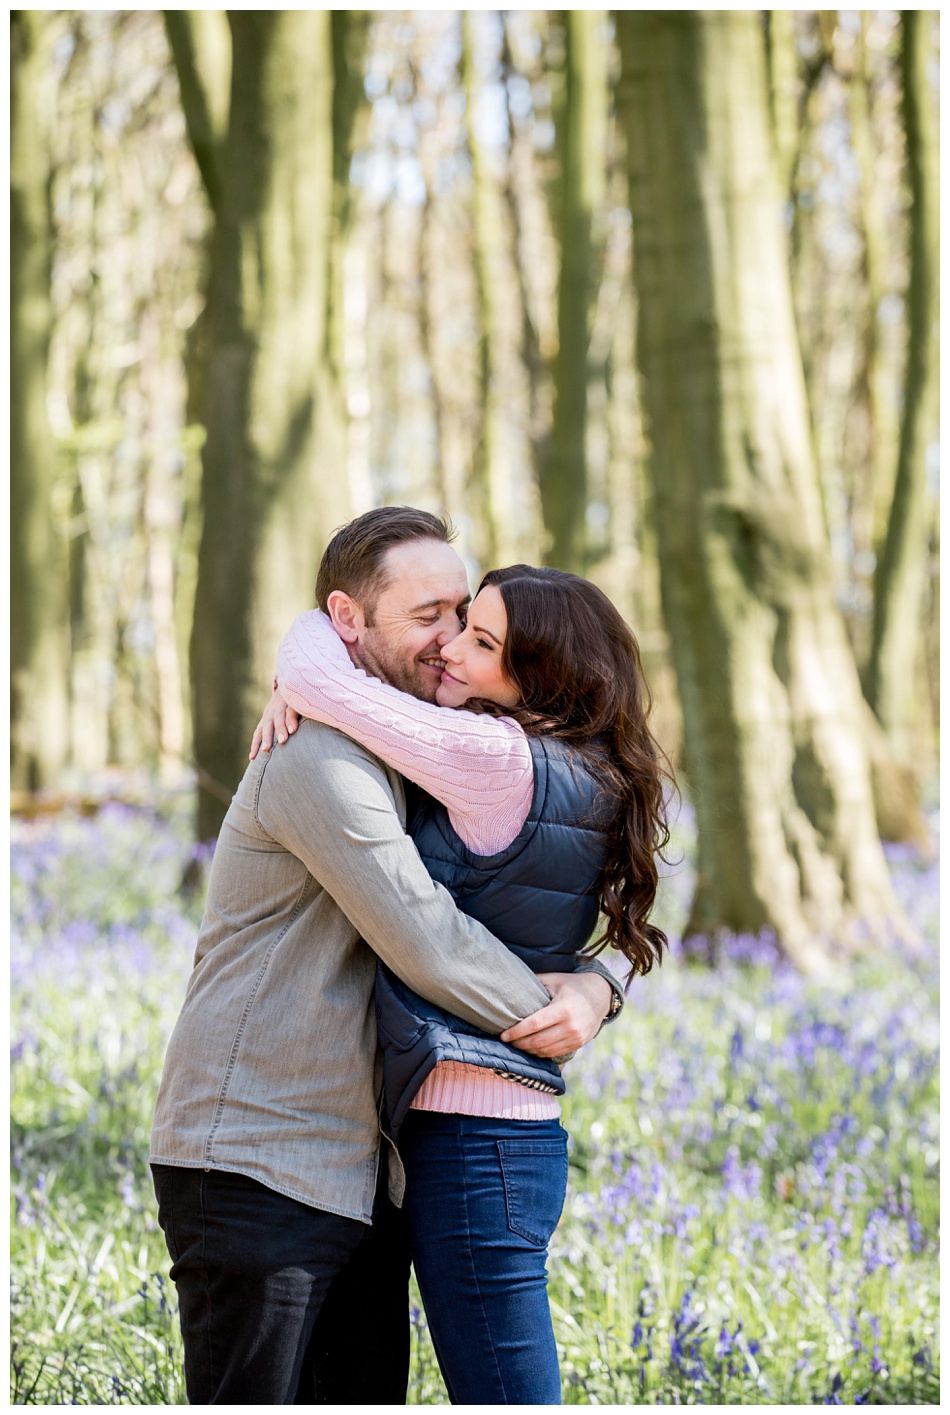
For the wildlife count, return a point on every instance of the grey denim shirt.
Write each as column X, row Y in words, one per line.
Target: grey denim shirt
column 272, row 1068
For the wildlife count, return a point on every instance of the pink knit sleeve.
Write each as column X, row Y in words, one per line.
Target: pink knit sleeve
column 478, row 766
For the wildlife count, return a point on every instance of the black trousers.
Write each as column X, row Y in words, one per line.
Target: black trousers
column 281, row 1303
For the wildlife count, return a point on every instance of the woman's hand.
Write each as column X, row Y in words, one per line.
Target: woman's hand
column 279, row 718
column 579, row 1003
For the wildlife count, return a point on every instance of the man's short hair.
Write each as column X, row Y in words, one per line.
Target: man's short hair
column 353, row 561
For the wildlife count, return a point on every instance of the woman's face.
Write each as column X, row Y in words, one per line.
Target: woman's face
column 473, row 659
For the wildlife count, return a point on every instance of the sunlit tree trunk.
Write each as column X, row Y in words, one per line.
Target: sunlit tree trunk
column 783, row 93
column 520, row 163
column 350, row 35
column 38, row 578
column 883, row 417
column 892, row 679
column 776, row 760
column 564, row 489
column 803, row 237
column 450, row 454
column 161, row 523
column 485, row 478
column 449, row 487
column 200, row 42
column 274, row 476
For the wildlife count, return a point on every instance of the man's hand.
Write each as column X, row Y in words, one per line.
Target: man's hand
column 279, row 719
column 579, row 1003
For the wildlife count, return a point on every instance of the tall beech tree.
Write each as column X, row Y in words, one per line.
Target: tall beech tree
column 776, row 754
column 892, row 679
column 38, row 574
column 579, row 195
column 485, row 485
column 350, row 31
column 274, row 479
column 879, row 387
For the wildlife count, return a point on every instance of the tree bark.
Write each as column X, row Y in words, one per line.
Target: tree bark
column 273, row 480
column 201, row 48
column 784, row 94
column 539, row 396
column 200, row 42
column 488, row 510
column 883, row 417
column 38, row 574
column 564, row 490
column 350, row 34
column 776, row 760
column 892, row 677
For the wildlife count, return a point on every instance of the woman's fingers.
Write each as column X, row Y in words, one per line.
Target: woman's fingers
column 285, row 719
column 263, row 738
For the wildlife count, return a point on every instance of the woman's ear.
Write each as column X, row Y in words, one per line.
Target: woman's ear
column 346, row 615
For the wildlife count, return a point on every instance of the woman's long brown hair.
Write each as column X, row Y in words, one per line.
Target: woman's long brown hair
column 577, row 667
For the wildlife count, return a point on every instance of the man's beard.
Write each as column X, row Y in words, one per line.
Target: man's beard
column 409, row 675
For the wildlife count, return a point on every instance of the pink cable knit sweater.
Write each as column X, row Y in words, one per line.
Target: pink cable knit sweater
column 479, row 767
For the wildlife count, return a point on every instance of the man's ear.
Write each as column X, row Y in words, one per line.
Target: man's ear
column 348, row 619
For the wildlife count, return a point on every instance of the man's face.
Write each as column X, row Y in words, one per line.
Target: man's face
column 414, row 616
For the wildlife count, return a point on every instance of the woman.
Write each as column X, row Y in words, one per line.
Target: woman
column 545, row 807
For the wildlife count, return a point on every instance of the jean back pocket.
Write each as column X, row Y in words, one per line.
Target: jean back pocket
column 535, row 1178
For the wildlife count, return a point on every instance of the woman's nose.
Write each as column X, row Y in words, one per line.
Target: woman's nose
column 446, row 644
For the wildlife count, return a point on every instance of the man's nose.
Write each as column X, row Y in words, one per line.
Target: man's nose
column 450, row 631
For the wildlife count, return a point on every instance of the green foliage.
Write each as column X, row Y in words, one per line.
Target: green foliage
column 752, row 1210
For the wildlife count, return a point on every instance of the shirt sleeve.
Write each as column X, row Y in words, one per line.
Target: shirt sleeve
column 478, row 766
column 330, row 804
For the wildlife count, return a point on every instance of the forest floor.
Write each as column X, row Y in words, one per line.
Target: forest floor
column 752, row 1215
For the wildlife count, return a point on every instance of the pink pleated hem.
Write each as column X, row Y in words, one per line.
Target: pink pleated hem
column 453, row 1088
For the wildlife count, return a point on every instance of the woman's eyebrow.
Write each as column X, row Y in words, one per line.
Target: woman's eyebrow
column 487, row 632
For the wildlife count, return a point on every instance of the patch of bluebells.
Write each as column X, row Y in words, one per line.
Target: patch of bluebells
column 87, row 893
column 752, row 1213
column 753, row 1131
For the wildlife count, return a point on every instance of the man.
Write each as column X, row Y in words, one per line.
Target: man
column 266, row 1142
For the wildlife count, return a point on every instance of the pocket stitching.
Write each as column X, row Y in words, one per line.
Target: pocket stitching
column 509, row 1149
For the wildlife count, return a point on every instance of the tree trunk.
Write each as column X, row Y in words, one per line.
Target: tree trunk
column 161, row 523
column 38, row 575
column 882, row 408
column 892, row 676
column 350, row 35
column 200, row 42
column 201, row 48
column 783, row 94
column 539, row 396
column 273, row 481
column 776, row 759
column 487, row 503
column 564, row 490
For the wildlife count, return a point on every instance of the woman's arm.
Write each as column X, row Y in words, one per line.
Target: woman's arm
column 478, row 766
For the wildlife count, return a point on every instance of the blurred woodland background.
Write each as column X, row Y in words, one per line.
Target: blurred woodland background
column 651, row 296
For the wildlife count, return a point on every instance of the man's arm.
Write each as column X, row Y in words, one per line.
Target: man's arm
column 330, row 803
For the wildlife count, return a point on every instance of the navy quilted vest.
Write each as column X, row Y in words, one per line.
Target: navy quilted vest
column 538, row 896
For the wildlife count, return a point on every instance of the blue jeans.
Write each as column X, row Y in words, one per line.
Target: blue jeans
column 484, row 1197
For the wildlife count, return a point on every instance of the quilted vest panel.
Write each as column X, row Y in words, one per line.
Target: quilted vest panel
column 538, row 896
